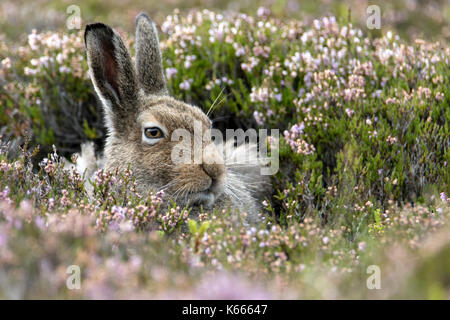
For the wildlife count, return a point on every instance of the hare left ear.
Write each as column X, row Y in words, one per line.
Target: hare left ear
column 149, row 66
column 112, row 74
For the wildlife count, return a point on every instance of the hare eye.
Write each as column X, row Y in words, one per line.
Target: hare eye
column 153, row 133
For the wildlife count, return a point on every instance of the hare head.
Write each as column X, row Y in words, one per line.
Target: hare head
column 141, row 118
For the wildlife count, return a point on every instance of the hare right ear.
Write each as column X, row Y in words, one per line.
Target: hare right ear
column 149, row 64
column 112, row 74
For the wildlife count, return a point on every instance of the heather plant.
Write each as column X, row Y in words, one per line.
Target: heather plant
column 363, row 176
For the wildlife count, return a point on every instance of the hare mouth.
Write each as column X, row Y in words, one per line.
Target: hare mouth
column 206, row 198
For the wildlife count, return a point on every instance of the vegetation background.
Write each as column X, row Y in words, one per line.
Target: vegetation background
column 364, row 153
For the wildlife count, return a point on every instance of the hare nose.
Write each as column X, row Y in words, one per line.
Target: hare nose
column 214, row 170
column 213, row 163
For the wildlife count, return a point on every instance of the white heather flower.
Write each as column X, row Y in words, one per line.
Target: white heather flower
column 252, row 62
column 186, row 84
column 317, row 24
column 64, row 69
column 259, row 95
column 53, row 42
column 189, row 60
column 240, row 51
column 389, row 35
column 6, row 63
column 60, row 58
column 33, row 40
column 30, row 71
column 44, row 61
column 259, row 118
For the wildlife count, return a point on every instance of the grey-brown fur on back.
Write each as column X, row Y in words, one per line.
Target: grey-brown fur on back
column 135, row 97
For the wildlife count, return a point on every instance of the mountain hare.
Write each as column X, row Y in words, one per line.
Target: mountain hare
column 141, row 118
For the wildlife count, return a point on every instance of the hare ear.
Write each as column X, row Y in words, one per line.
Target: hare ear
column 111, row 73
column 149, row 65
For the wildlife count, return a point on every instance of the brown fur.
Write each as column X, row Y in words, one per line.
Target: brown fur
column 135, row 96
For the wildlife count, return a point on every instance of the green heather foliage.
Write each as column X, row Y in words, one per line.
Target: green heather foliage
column 363, row 180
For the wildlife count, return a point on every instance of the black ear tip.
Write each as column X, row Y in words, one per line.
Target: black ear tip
column 96, row 27
column 143, row 15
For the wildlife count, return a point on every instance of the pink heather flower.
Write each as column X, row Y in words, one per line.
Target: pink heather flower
column 170, row 72
column 4, row 166
column 228, row 286
column 118, row 213
column 439, row 96
column 297, row 144
column 262, row 12
column 349, row 112
column 298, row 128
column 361, row 246
column 4, row 194
column 443, row 197
column 240, row 51
column 278, row 97
column 64, row 69
column 260, row 51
